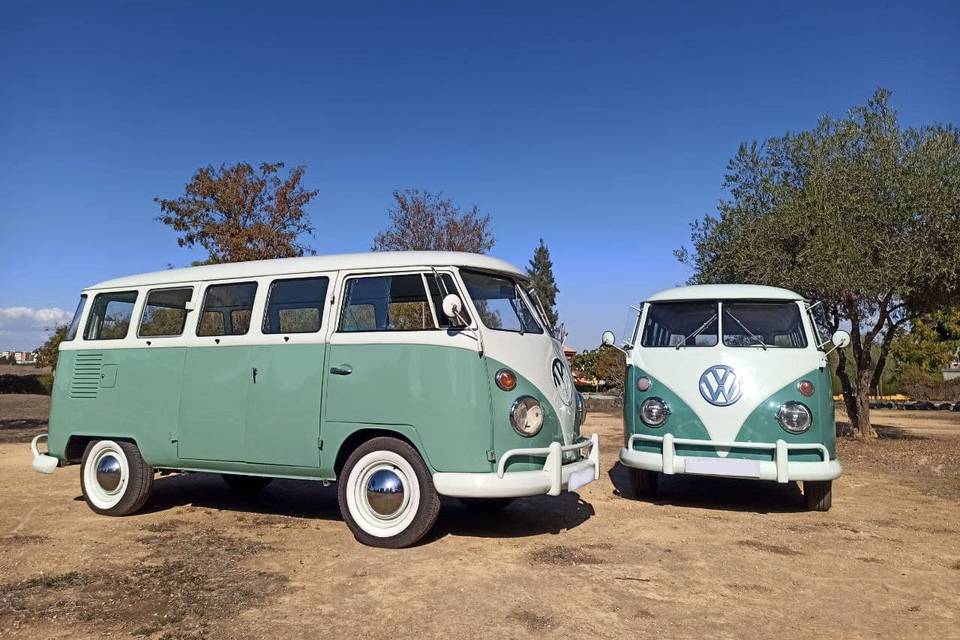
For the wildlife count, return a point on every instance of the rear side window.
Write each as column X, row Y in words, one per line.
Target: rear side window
column 227, row 309
column 110, row 316
column 165, row 312
column 295, row 305
column 688, row 324
column 75, row 323
column 763, row 324
column 386, row 303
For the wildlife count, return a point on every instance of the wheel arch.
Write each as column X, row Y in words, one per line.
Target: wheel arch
column 357, row 437
column 77, row 444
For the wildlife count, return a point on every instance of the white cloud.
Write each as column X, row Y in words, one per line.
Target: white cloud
column 17, row 319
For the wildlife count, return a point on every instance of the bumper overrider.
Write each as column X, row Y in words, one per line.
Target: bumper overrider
column 554, row 478
column 780, row 469
column 42, row 462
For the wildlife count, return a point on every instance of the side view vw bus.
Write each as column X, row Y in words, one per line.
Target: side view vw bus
column 729, row 380
column 401, row 376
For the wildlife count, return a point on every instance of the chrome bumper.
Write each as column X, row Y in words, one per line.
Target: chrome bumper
column 780, row 469
column 554, row 478
column 41, row 461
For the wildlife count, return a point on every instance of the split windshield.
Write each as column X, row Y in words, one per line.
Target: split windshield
column 499, row 302
column 744, row 324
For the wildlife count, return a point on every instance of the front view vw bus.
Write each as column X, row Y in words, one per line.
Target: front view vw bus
column 733, row 381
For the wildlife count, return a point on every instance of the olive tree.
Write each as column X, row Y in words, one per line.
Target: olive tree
column 860, row 213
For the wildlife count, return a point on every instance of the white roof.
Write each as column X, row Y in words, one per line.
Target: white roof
column 725, row 292
column 308, row 264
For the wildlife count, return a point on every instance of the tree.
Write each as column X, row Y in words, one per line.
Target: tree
column 859, row 213
column 540, row 271
column 602, row 363
column 426, row 221
column 238, row 213
column 931, row 343
column 49, row 353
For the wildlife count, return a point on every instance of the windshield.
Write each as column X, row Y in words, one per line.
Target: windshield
column 681, row 324
column 499, row 303
column 763, row 324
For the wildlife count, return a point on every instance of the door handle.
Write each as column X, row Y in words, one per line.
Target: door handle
column 342, row 370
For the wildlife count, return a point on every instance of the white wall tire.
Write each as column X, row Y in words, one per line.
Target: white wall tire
column 114, row 478
column 386, row 494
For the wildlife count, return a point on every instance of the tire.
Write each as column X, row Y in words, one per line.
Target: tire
column 124, row 482
column 381, row 519
column 818, row 495
column 246, row 484
column 644, row 483
column 486, row 504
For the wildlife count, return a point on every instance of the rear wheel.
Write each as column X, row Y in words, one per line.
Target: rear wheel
column 486, row 504
column 386, row 494
column 644, row 483
column 114, row 478
column 246, row 484
column 818, row 495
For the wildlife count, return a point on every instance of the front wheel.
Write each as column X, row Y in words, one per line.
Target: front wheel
column 386, row 494
column 818, row 494
column 644, row 483
column 114, row 478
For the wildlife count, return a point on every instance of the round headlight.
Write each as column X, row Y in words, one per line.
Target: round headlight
column 654, row 412
column 794, row 417
column 526, row 416
column 581, row 410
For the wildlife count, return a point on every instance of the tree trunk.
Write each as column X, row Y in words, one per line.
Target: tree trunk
column 863, row 429
column 849, row 393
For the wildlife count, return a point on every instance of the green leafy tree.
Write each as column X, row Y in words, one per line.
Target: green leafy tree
column 239, row 213
column 426, row 221
column 49, row 352
column 858, row 212
column 931, row 342
column 540, row 271
column 604, row 364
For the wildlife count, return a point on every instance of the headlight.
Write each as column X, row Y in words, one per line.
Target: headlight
column 794, row 417
column 654, row 412
column 526, row 416
column 581, row 410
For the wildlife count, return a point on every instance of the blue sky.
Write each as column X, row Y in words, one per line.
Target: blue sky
column 602, row 127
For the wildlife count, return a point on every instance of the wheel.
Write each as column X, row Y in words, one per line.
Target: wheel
column 386, row 494
column 246, row 484
column 644, row 483
column 114, row 478
column 486, row 504
column 818, row 495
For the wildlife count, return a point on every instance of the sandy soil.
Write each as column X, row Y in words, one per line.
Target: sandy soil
column 711, row 558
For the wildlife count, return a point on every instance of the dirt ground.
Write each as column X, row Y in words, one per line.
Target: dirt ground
column 710, row 558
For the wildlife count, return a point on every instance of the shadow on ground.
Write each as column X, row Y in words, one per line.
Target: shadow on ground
column 21, row 429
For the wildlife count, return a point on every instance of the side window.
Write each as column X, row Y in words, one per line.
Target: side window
column 440, row 291
column 165, row 312
column 110, row 316
column 386, row 303
column 226, row 309
column 75, row 323
column 295, row 305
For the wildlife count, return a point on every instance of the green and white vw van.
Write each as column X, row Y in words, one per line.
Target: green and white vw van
column 729, row 380
column 402, row 376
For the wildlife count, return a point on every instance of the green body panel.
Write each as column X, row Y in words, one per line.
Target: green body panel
column 440, row 392
column 760, row 426
column 283, row 406
column 213, row 405
column 140, row 402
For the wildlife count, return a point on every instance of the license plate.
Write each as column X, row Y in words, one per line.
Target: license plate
column 580, row 478
column 723, row 467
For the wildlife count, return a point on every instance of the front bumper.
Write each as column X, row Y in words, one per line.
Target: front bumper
column 780, row 469
column 42, row 462
column 551, row 480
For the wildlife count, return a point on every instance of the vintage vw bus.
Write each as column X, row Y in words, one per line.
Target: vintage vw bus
column 402, row 376
column 729, row 380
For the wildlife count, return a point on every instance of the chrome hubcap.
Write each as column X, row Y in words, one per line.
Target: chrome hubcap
column 385, row 492
column 108, row 473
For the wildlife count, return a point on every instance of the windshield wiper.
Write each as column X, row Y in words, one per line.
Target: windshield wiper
column 751, row 333
column 699, row 330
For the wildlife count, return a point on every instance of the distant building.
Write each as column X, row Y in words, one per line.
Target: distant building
column 952, row 372
column 20, row 357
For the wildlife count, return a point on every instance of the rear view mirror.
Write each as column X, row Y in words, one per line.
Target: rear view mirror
column 840, row 339
column 453, row 307
column 608, row 339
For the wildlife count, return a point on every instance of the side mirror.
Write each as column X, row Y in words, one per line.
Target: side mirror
column 608, row 339
column 840, row 339
column 453, row 307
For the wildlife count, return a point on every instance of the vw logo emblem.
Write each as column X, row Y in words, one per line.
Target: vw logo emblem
column 720, row 386
column 561, row 380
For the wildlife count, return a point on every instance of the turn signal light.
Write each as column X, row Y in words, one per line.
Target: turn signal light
column 506, row 379
column 805, row 387
column 644, row 384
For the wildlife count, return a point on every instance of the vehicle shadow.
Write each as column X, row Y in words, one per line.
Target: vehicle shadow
column 721, row 494
column 309, row 500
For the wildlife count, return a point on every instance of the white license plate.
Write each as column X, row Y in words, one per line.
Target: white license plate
column 723, row 467
column 579, row 478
